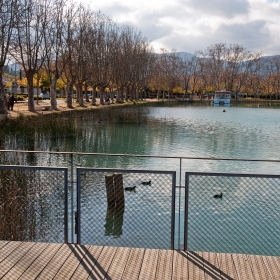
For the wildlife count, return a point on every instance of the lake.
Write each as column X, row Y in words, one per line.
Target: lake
column 183, row 130
column 188, row 131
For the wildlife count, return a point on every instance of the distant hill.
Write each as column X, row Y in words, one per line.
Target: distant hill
column 184, row 55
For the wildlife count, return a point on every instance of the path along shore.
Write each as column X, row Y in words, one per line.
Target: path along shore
column 21, row 107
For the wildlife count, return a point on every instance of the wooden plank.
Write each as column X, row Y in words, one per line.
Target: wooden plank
column 227, row 268
column 243, row 267
column 25, row 261
column 117, row 266
column 103, row 263
column 8, row 249
column 258, row 267
column 38, row 265
column 88, row 262
column 180, row 265
column 165, row 265
column 3, row 243
column 72, row 262
column 134, row 263
column 149, row 264
column 211, row 266
column 272, row 266
column 195, row 265
column 11, row 261
column 51, row 269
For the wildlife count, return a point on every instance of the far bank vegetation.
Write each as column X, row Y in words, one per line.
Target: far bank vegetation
column 62, row 45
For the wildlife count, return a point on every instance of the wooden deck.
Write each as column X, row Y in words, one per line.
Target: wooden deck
column 22, row 260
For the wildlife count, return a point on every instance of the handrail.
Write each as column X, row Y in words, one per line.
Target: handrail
column 147, row 156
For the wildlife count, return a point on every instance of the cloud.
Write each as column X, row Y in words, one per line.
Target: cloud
column 253, row 35
column 224, row 8
column 190, row 25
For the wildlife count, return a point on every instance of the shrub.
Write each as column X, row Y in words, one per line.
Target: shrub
column 20, row 98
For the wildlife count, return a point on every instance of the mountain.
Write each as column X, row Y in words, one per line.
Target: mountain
column 184, row 55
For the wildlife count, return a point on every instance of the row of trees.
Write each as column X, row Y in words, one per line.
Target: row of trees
column 233, row 68
column 72, row 43
column 87, row 50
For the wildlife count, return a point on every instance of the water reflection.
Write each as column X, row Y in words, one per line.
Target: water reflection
column 114, row 221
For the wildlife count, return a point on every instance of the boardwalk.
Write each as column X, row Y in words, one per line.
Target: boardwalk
column 22, row 260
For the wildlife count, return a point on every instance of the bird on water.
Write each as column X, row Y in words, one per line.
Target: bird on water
column 218, row 195
column 146, row 182
column 130, row 188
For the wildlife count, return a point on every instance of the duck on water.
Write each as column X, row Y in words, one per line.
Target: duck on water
column 218, row 195
column 130, row 188
column 146, row 182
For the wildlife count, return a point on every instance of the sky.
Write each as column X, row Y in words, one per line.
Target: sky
column 193, row 25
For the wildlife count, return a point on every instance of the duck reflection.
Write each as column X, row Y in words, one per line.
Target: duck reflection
column 114, row 220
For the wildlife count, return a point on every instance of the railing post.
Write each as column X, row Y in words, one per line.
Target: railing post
column 78, row 220
column 180, row 181
column 66, row 206
column 173, row 211
column 179, row 204
column 72, row 197
column 186, row 212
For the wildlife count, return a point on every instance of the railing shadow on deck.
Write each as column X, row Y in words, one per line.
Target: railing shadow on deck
column 88, row 262
column 200, row 263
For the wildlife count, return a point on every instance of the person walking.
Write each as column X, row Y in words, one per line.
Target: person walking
column 12, row 102
column 8, row 98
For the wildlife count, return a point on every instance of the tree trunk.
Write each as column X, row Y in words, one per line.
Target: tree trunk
column 53, row 94
column 80, row 94
column 112, row 95
column 29, row 77
column 102, row 95
column 69, row 94
column 93, row 102
column 126, row 93
column 86, row 92
column 122, row 94
column 3, row 107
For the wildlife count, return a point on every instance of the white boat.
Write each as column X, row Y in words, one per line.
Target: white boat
column 222, row 97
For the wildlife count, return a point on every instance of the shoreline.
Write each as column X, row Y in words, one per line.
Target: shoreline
column 43, row 108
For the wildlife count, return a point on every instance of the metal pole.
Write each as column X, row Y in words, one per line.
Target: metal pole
column 179, row 204
column 173, row 210
column 78, row 225
column 186, row 212
column 72, row 197
column 66, row 206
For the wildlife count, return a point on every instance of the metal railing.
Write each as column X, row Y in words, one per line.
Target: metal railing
column 188, row 193
column 33, row 203
column 128, row 208
column 232, row 213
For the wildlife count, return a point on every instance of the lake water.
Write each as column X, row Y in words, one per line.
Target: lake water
column 197, row 131
column 188, row 131
column 184, row 130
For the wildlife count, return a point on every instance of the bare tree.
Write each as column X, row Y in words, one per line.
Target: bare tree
column 55, row 41
column 30, row 49
column 68, row 53
column 238, row 67
column 8, row 8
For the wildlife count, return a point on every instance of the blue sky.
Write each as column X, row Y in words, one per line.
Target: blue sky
column 191, row 25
